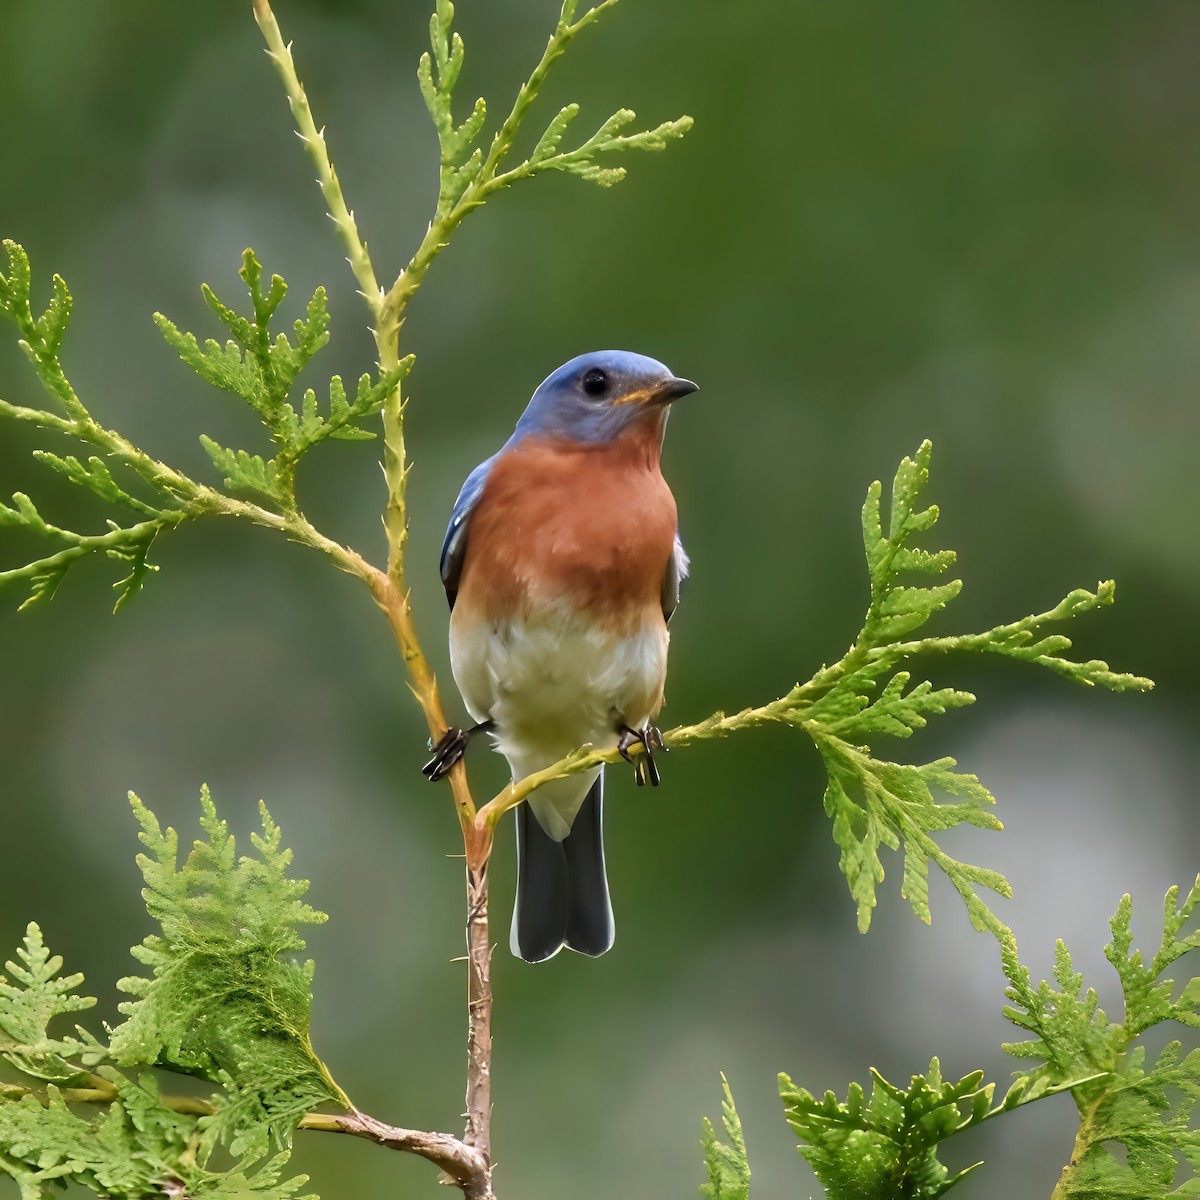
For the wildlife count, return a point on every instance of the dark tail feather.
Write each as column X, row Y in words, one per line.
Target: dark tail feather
column 590, row 928
column 539, row 925
column 562, row 890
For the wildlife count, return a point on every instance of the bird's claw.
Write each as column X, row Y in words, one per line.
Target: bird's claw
column 644, row 767
column 450, row 748
column 446, row 752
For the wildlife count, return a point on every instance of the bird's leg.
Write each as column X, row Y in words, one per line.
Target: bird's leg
column 451, row 747
column 644, row 767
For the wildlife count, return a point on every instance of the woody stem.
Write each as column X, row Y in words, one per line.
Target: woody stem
column 478, row 844
column 479, row 1014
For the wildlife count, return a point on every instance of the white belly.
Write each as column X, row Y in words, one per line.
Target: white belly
column 553, row 682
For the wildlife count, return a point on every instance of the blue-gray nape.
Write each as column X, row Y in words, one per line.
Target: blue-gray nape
column 582, row 400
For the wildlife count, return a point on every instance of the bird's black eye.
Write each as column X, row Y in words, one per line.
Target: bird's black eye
column 595, row 382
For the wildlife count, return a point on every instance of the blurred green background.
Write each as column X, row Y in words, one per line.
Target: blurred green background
column 975, row 223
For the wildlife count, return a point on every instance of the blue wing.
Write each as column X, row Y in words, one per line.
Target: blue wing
column 677, row 570
column 454, row 548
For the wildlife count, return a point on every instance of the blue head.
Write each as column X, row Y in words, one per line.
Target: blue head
column 597, row 397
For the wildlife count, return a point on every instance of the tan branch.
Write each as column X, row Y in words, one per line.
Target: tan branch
column 479, row 1009
column 464, row 1165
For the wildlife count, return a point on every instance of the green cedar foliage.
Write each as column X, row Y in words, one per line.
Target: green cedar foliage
column 727, row 1164
column 1149, row 1108
column 886, row 1146
column 468, row 174
column 41, row 338
column 263, row 370
column 260, row 368
column 36, row 995
column 223, row 1000
column 869, row 694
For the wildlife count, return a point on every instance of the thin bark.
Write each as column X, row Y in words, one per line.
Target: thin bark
column 464, row 1165
column 479, row 1011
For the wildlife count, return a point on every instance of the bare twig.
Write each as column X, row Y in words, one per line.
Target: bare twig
column 479, row 1009
column 464, row 1165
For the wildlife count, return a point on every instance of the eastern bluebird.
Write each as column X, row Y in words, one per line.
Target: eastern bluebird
column 562, row 566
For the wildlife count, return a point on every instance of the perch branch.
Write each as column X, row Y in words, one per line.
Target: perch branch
column 464, row 1165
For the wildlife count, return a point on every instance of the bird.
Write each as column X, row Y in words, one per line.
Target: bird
column 562, row 565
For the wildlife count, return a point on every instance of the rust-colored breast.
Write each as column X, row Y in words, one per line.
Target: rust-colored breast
column 590, row 524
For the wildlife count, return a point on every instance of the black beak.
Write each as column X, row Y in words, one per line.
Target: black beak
column 674, row 389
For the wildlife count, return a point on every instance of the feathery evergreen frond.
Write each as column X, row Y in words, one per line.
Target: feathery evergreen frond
column 36, row 995
column 41, row 336
column 225, row 999
column 42, row 339
column 880, row 805
column 110, row 1132
column 263, row 370
column 468, row 174
column 242, row 471
column 437, row 75
column 726, row 1162
column 49, row 1143
column 876, row 804
column 131, row 1148
column 886, row 1146
column 129, row 543
column 1150, row 1111
column 606, row 140
column 97, row 478
column 307, row 427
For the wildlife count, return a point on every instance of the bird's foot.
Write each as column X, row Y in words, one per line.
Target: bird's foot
column 450, row 749
column 644, row 767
